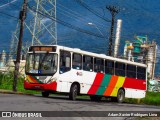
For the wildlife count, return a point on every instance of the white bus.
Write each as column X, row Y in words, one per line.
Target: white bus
column 70, row 70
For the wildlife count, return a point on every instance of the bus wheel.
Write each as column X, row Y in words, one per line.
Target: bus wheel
column 73, row 92
column 95, row 98
column 45, row 94
column 120, row 95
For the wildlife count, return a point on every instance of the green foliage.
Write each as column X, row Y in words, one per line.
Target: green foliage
column 152, row 98
column 6, row 82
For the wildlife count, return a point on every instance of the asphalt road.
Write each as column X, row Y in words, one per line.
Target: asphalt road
column 14, row 102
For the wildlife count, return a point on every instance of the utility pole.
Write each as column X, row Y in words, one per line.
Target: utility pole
column 114, row 11
column 22, row 17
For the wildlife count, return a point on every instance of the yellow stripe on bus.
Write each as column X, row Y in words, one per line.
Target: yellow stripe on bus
column 29, row 79
column 117, row 86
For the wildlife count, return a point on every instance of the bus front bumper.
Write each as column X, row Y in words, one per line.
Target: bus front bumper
column 42, row 87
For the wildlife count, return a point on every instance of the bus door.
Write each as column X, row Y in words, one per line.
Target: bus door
column 64, row 71
column 77, row 72
column 88, row 74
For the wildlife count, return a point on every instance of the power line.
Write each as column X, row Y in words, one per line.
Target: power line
column 67, row 24
column 77, row 14
column 10, row 4
column 9, row 15
column 79, row 18
column 82, row 3
column 6, row 4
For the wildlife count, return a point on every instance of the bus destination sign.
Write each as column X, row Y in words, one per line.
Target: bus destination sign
column 43, row 48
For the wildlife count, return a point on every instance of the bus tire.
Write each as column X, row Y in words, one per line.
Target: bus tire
column 45, row 94
column 95, row 98
column 120, row 96
column 73, row 92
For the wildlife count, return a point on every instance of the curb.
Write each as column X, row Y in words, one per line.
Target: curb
column 12, row 92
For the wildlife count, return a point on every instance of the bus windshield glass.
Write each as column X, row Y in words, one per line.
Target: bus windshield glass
column 41, row 63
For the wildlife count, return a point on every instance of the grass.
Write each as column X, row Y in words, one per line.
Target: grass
column 152, row 98
column 6, row 82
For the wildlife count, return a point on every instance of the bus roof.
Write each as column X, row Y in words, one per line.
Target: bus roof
column 77, row 50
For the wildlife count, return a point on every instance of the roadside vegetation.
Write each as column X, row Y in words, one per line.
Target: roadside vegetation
column 152, row 98
column 6, row 82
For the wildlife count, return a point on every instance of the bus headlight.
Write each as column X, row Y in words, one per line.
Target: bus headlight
column 52, row 80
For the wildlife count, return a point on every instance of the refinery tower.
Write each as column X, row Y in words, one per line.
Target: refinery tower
column 143, row 51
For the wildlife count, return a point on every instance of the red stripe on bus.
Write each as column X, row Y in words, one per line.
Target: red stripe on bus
column 97, row 81
column 111, row 85
column 135, row 83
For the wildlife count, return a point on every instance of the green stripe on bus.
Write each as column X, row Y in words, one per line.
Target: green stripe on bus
column 104, row 84
column 36, row 79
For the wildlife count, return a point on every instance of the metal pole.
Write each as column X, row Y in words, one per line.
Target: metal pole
column 92, row 24
column 55, row 21
column 35, row 23
column 22, row 17
column 113, row 10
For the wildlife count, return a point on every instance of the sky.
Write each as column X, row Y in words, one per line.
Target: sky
column 139, row 17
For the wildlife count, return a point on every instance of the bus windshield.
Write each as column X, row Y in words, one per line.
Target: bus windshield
column 41, row 63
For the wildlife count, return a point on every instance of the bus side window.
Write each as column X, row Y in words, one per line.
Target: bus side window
column 141, row 73
column 98, row 65
column 131, row 71
column 109, row 67
column 87, row 63
column 77, row 61
column 65, row 61
column 120, row 69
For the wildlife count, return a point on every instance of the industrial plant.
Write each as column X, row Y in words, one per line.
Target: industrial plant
column 143, row 51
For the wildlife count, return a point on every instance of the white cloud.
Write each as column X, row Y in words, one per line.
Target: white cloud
column 45, row 20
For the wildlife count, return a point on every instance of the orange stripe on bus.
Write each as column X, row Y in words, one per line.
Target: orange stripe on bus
column 111, row 86
column 32, row 79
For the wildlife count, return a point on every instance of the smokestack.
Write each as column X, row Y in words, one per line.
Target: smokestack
column 118, row 31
